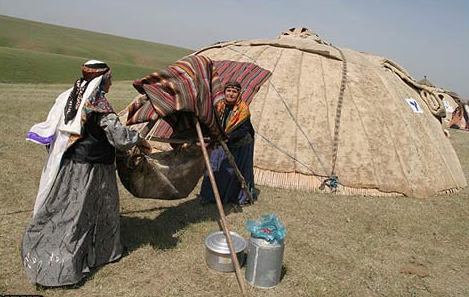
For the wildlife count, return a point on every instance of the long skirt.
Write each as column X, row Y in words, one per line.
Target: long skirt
column 227, row 182
column 77, row 228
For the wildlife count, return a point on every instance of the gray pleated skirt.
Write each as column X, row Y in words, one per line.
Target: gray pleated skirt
column 77, row 228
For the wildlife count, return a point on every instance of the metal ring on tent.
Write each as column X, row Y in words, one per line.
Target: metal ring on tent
column 331, row 182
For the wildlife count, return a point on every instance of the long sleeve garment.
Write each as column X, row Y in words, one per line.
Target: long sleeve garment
column 78, row 226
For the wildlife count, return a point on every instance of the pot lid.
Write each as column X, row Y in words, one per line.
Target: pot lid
column 217, row 242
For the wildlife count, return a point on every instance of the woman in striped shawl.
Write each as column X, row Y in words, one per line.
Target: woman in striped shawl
column 75, row 224
column 234, row 117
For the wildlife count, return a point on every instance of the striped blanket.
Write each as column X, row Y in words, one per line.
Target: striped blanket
column 191, row 85
column 250, row 76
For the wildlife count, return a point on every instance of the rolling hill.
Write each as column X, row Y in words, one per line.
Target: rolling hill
column 43, row 53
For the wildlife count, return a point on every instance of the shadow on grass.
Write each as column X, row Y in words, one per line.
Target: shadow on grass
column 162, row 231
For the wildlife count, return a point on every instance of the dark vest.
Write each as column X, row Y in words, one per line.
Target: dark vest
column 93, row 146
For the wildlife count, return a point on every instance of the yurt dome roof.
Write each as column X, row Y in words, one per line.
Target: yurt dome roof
column 328, row 111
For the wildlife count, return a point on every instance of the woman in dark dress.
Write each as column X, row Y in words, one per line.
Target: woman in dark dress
column 234, row 117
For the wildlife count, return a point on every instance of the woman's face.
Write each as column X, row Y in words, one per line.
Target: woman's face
column 108, row 84
column 231, row 94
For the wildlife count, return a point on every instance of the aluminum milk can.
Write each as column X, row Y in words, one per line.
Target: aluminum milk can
column 264, row 262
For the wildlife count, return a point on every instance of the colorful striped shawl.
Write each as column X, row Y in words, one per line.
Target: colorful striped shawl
column 238, row 115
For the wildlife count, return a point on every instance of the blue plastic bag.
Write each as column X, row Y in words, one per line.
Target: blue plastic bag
column 268, row 227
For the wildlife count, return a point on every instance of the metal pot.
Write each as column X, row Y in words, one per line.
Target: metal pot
column 217, row 252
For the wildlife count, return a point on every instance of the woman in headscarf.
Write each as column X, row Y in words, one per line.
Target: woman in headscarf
column 234, row 117
column 75, row 224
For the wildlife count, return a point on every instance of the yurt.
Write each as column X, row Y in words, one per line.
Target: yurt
column 335, row 119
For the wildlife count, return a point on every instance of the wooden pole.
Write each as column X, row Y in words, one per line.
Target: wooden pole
column 238, row 173
column 147, row 128
column 221, row 211
column 175, row 140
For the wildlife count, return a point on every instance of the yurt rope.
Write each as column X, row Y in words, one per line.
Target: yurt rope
column 290, row 113
column 427, row 94
column 332, row 180
column 289, row 155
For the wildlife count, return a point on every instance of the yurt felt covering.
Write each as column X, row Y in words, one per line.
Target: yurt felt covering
column 382, row 136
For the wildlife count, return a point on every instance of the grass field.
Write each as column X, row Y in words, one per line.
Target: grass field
column 336, row 245
column 43, row 53
column 32, row 67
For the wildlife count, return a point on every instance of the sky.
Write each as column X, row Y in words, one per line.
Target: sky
column 426, row 37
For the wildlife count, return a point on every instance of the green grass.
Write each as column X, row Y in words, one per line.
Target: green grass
column 37, row 52
column 335, row 245
column 27, row 66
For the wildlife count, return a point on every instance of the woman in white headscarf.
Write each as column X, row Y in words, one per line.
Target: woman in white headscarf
column 75, row 224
